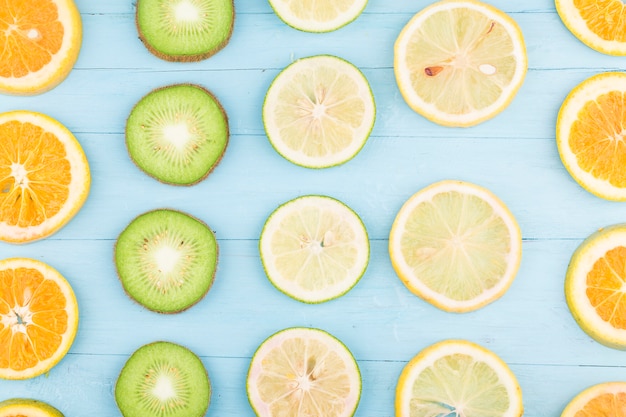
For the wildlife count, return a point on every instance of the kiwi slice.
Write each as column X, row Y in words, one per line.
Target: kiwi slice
column 163, row 379
column 166, row 260
column 185, row 30
column 177, row 134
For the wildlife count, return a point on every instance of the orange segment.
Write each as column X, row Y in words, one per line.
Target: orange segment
column 605, row 282
column 607, row 400
column 40, row 45
column 44, row 176
column 38, row 318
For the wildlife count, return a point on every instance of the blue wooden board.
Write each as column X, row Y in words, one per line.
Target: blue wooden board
column 383, row 324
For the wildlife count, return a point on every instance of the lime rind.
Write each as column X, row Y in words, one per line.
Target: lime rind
column 282, row 9
column 310, row 245
column 291, row 77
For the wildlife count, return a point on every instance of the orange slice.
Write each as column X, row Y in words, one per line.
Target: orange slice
column 590, row 135
column 607, row 400
column 597, row 23
column 27, row 407
column 40, row 44
column 44, row 176
column 595, row 286
column 38, row 318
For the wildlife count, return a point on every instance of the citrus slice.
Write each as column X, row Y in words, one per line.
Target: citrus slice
column 597, row 23
column 44, row 176
column 607, row 399
column 300, row 372
column 314, row 248
column 26, row 407
column 595, row 286
column 458, row 378
column 319, row 111
column 41, row 42
column 589, row 135
column 460, row 62
column 38, row 318
column 318, row 15
column 456, row 245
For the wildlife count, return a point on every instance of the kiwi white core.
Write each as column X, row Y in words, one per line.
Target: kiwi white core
column 166, row 259
column 186, row 11
column 178, row 135
column 163, row 389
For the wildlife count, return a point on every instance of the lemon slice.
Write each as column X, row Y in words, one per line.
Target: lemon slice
column 300, row 372
column 26, row 407
column 460, row 62
column 598, row 24
column 319, row 111
column 318, row 15
column 314, row 248
column 457, row 378
column 594, row 286
column 456, row 245
column 589, row 135
column 607, row 399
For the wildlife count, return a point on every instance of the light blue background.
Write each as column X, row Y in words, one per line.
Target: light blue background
column 383, row 324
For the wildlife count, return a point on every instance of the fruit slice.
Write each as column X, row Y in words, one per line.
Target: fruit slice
column 177, row 134
column 457, row 377
column 185, row 30
column 319, row 111
column 314, row 248
column 607, row 400
column 460, row 62
column 589, row 135
column 164, row 379
column 44, row 176
column 598, row 24
column 26, row 407
column 38, row 318
column 316, row 15
column 40, row 44
column 166, row 260
column 300, row 372
column 594, row 286
column 456, row 245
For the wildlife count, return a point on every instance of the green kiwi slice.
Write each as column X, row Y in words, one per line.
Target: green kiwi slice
column 166, row 260
column 177, row 133
column 185, row 30
column 163, row 379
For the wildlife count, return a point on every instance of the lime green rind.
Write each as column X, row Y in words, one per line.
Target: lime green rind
column 293, row 25
column 197, row 391
column 39, row 406
column 202, row 156
column 198, row 279
column 185, row 46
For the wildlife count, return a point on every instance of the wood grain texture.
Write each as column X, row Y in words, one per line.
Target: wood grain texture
column 384, row 325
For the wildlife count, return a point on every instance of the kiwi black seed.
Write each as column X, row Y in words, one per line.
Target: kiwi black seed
column 163, row 379
column 177, row 133
column 166, row 260
column 185, row 30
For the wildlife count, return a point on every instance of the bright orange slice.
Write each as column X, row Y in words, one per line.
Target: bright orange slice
column 590, row 135
column 607, row 400
column 44, row 176
column 39, row 44
column 595, row 286
column 600, row 24
column 38, row 318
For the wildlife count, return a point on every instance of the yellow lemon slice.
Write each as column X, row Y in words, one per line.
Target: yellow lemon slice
column 26, row 407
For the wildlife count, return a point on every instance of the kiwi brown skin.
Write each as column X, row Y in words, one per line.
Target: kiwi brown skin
column 217, row 250
column 185, row 58
column 217, row 161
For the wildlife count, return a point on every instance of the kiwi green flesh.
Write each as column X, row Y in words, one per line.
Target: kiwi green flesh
column 163, row 379
column 166, row 260
column 177, row 134
column 185, row 30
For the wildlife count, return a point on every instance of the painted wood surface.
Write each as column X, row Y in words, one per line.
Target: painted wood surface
column 383, row 324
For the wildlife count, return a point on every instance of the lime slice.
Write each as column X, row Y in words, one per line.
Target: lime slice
column 456, row 245
column 318, row 15
column 314, row 248
column 594, row 286
column 301, row 372
column 319, row 111
column 460, row 62
column 607, row 399
column 458, row 378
